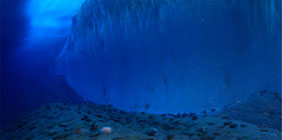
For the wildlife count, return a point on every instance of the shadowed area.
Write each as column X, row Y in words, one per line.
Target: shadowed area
column 28, row 52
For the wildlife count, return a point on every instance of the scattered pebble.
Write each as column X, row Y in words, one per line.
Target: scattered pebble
column 243, row 125
column 227, row 123
column 170, row 137
column 84, row 121
column 151, row 132
column 225, row 118
column 78, row 130
column 233, row 125
column 193, row 116
column 263, row 130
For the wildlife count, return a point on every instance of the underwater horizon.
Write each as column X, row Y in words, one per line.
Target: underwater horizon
column 140, row 70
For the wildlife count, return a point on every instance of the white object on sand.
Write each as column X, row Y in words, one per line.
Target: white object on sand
column 106, row 130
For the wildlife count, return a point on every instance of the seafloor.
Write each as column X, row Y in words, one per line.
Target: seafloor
column 257, row 118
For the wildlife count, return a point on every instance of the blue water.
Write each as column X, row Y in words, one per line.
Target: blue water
column 160, row 56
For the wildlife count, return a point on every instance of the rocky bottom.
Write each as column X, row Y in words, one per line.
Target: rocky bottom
column 260, row 120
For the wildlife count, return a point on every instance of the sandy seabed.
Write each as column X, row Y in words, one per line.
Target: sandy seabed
column 257, row 118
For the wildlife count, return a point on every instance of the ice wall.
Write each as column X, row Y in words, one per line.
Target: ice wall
column 173, row 55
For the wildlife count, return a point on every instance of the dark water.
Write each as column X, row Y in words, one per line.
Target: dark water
column 158, row 57
column 27, row 80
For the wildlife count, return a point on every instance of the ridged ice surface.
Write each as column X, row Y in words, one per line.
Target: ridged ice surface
column 173, row 55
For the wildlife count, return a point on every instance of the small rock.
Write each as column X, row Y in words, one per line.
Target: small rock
column 204, row 112
column 88, row 112
column 233, row 125
column 216, row 134
column 118, row 138
column 212, row 110
column 221, row 127
column 31, row 128
column 201, row 130
column 51, row 132
column 264, row 125
column 242, row 125
column 193, row 116
column 210, row 123
column 48, row 107
column 78, row 130
column 170, row 137
column 151, row 132
column 93, row 127
column 227, row 123
column 167, row 127
column 191, row 134
column 62, row 125
column 176, row 122
column 225, row 117
column 263, row 130
column 266, row 114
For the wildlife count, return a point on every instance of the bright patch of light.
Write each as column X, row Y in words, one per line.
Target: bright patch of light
column 50, row 18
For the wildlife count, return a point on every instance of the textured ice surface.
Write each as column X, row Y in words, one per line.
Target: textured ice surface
column 172, row 55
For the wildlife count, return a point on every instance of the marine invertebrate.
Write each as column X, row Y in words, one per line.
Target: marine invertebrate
column 78, row 130
column 106, row 130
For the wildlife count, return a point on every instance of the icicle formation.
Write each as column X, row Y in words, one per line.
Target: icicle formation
column 172, row 55
column 263, row 12
column 118, row 15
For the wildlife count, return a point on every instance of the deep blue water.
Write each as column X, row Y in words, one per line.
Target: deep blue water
column 204, row 56
column 27, row 80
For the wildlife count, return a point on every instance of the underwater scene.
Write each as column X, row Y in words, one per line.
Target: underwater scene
column 140, row 70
